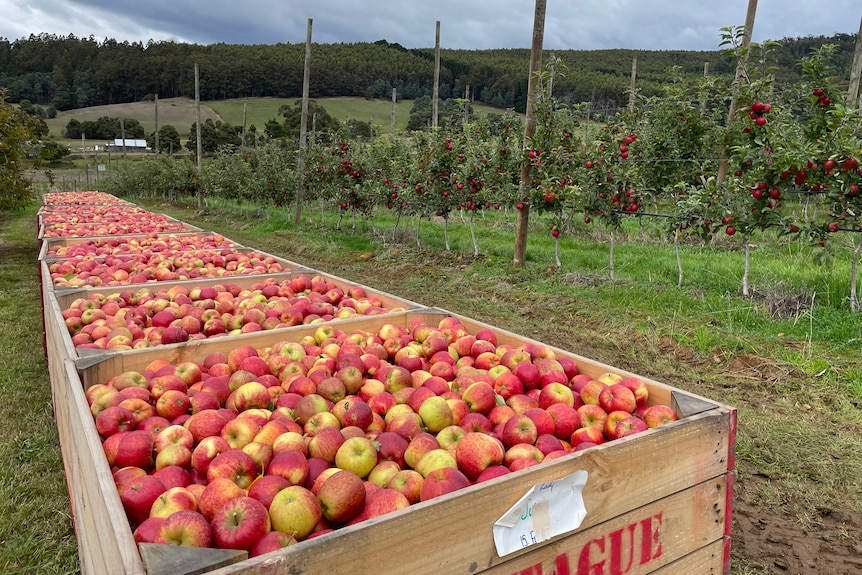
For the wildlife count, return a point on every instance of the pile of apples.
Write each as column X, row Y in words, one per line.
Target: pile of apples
column 144, row 317
column 91, row 198
column 146, row 244
column 105, row 220
column 166, row 265
column 256, row 449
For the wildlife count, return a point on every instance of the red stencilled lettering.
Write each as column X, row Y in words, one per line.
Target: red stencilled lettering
column 612, row 554
column 586, row 564
column 651, row 537
column 561, row 567
column 622, row 549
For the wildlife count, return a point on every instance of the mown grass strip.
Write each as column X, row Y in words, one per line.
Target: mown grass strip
column 35, row 523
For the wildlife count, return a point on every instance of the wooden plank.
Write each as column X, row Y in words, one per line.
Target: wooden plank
column 457, row 529
column 707, row 560
column 105, row 542
column 175, row 560
column 639, row 542
column 58, row 342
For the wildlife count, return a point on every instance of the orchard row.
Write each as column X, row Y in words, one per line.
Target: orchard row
column 782, row 144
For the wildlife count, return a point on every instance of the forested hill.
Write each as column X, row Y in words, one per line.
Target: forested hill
column 66, row 72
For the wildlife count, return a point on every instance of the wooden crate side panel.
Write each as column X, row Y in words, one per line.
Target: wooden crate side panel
column 636, row 543
column 458, row 527
column 105, row 541
column 707, row 560
column 58, row 340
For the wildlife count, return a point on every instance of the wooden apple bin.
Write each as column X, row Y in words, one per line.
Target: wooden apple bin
column 59, row 300
column 657, row 502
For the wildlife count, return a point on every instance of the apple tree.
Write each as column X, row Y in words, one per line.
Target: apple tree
column 16, row 129
column 614, row 185
column 757, row 142
column 828, row 159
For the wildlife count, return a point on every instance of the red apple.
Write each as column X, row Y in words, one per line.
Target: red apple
column 477, row 451
column 385, row 501
column 135, row 449
column 357, row 454
column 418, row 447
column 341, row 496
column 442, row 481
column 173, row 500
column 206, row 451
column 492, row 473
column 638, row 387
column 216, row 493
column 233, row 464
column 240, row 523
column 291, row 465
column 658, row 415
column 614, row 417
column 617, row 397
column 147, row 531
column 138, row 497
column 630, row 426
column 296, row 511
column 480, row 397
column 592, row 416
column 173, row 476
column 592, row 435
column 591, row 390
column 272, row 541
column 519, row 429
column 186, row 529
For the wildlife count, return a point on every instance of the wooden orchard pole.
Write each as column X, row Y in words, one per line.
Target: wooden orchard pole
column 156, row 133
column 123, row 136
column 632, row 84
column 303, row 129
column 200, row 147
column 436, row 95
column 724, row 164
column 853, row 97
column 523, row 221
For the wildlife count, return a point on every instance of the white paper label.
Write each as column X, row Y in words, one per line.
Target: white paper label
column 547, row 510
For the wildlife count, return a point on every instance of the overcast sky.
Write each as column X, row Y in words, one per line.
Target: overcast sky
column 465, row 24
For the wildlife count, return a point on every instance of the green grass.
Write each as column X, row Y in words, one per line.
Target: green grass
column 260, row 110
column 35, row 523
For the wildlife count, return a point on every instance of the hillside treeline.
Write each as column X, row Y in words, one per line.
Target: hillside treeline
column 68, row 72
